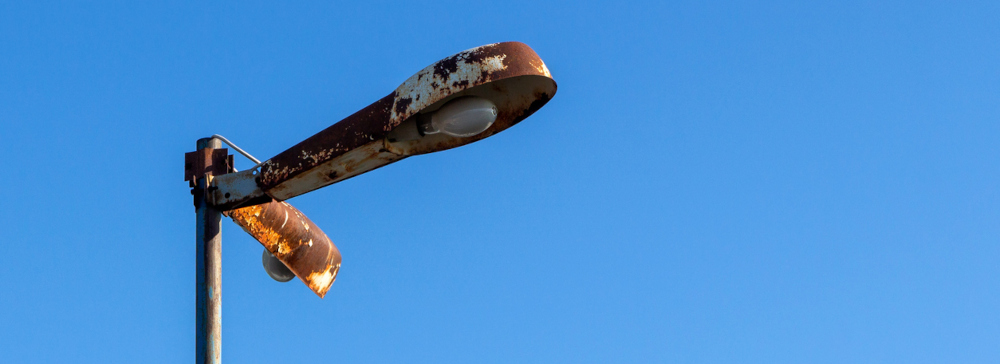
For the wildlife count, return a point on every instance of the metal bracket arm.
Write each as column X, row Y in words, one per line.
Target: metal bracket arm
column 237, row 189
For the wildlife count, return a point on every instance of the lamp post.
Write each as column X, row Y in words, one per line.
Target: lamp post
column 455, row 101
column 208, row 321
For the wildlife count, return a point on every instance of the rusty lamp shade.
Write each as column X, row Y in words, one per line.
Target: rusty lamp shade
column 294, row 240
column 458, row 100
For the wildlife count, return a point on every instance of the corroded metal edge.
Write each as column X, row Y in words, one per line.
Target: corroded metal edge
column 294, row 239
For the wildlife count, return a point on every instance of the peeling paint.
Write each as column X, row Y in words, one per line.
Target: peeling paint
column 432, row 82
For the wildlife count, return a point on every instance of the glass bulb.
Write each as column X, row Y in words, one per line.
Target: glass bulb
column 275, row 268
column 462, row 117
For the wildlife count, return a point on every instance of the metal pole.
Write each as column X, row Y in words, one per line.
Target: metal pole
column 209, row 273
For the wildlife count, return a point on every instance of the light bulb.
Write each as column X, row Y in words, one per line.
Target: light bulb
column 275, row 268
column 461, row 117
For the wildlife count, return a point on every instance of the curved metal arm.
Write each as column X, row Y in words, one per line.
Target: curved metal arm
column 238, row 149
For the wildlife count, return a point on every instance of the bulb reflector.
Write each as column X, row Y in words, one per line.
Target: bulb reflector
column 275, row 268
column 464, row 116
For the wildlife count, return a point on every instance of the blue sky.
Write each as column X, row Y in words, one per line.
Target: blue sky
column 779, row 182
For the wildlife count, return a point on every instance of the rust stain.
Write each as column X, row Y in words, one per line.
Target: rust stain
column 352, row 132
column 294, row 239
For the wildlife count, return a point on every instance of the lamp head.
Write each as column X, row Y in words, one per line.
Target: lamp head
column 455, row 93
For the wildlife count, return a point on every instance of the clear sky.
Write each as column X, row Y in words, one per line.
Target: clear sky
column 742, row 182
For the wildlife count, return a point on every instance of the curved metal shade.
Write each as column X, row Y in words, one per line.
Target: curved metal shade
column 294, row 239
column 510, row 74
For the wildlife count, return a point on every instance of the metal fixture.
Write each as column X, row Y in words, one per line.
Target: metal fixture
column 458, row 100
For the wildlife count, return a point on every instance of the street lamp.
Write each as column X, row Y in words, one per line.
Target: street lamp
column 458, row 100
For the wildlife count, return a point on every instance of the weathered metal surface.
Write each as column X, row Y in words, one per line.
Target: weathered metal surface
column 202, row 161
column 509, row 74
column 349, row 164
column 208, row 161
column 294, row 239
column 236, row 189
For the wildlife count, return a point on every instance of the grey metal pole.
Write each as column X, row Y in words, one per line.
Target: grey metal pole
column 209, row 273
